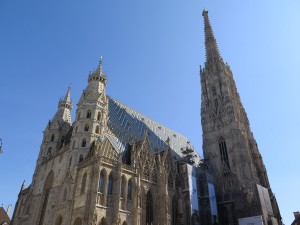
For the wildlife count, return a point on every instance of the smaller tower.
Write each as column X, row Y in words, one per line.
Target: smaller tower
column 91, row 114
column 57, row 128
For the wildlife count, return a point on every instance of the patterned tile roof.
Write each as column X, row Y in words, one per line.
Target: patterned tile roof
column 129, row 125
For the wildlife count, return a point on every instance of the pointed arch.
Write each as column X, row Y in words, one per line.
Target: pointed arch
column 124, row 223
column 83, row 183
column 149, row 208
column 86, row 127
column 47, row 187
column 79, row 115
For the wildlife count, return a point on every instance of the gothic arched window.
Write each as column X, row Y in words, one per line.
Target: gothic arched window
column 83, row 183
column 79, row 114
column 110, row 184
column 80, row 158
column 97, row 130
column 83, row 143
column 101, row 182
column 49, row 151
column 129, row 190
column 52, row 138
column 86, row 127
column 89, row 114
column 98, row 116
column 223, row 151
column 149, row 208
column 123, row 186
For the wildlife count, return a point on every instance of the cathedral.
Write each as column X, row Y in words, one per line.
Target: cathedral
column 114, row 166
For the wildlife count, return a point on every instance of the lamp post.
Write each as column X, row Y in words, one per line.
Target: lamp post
column 1, row 151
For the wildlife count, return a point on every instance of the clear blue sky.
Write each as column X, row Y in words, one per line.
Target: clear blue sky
column 151, row 52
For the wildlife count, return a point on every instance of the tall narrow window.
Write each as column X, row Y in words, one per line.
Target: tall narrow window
column 101, row 182
column 97, row 130
column 83, row 183
column 78, row 117
column 214, row 92
column 73, row 145
column 223, row 151
column 80, row 158
column 70, row 161
column 52, row 138
column 45, row 196
column 86, row 128
column 174, row 211
column 149, row 208
column 123, row 186
column 89, row 114
column 110, row 184
column 98, row 116
column 49, row 151
column 83, row 143
column 129, row 191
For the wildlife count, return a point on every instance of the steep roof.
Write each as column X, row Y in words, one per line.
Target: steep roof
column 129, row 125
column 3, row 216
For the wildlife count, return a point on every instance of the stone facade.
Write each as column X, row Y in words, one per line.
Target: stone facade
column 230, row 149
column 112, row 165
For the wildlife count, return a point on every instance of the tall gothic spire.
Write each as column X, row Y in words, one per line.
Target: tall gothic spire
column 211, row 47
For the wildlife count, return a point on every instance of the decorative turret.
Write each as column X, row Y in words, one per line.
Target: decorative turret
column 64, row 108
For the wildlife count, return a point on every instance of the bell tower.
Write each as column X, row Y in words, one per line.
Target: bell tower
column 228, row 144
column 91, row 113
